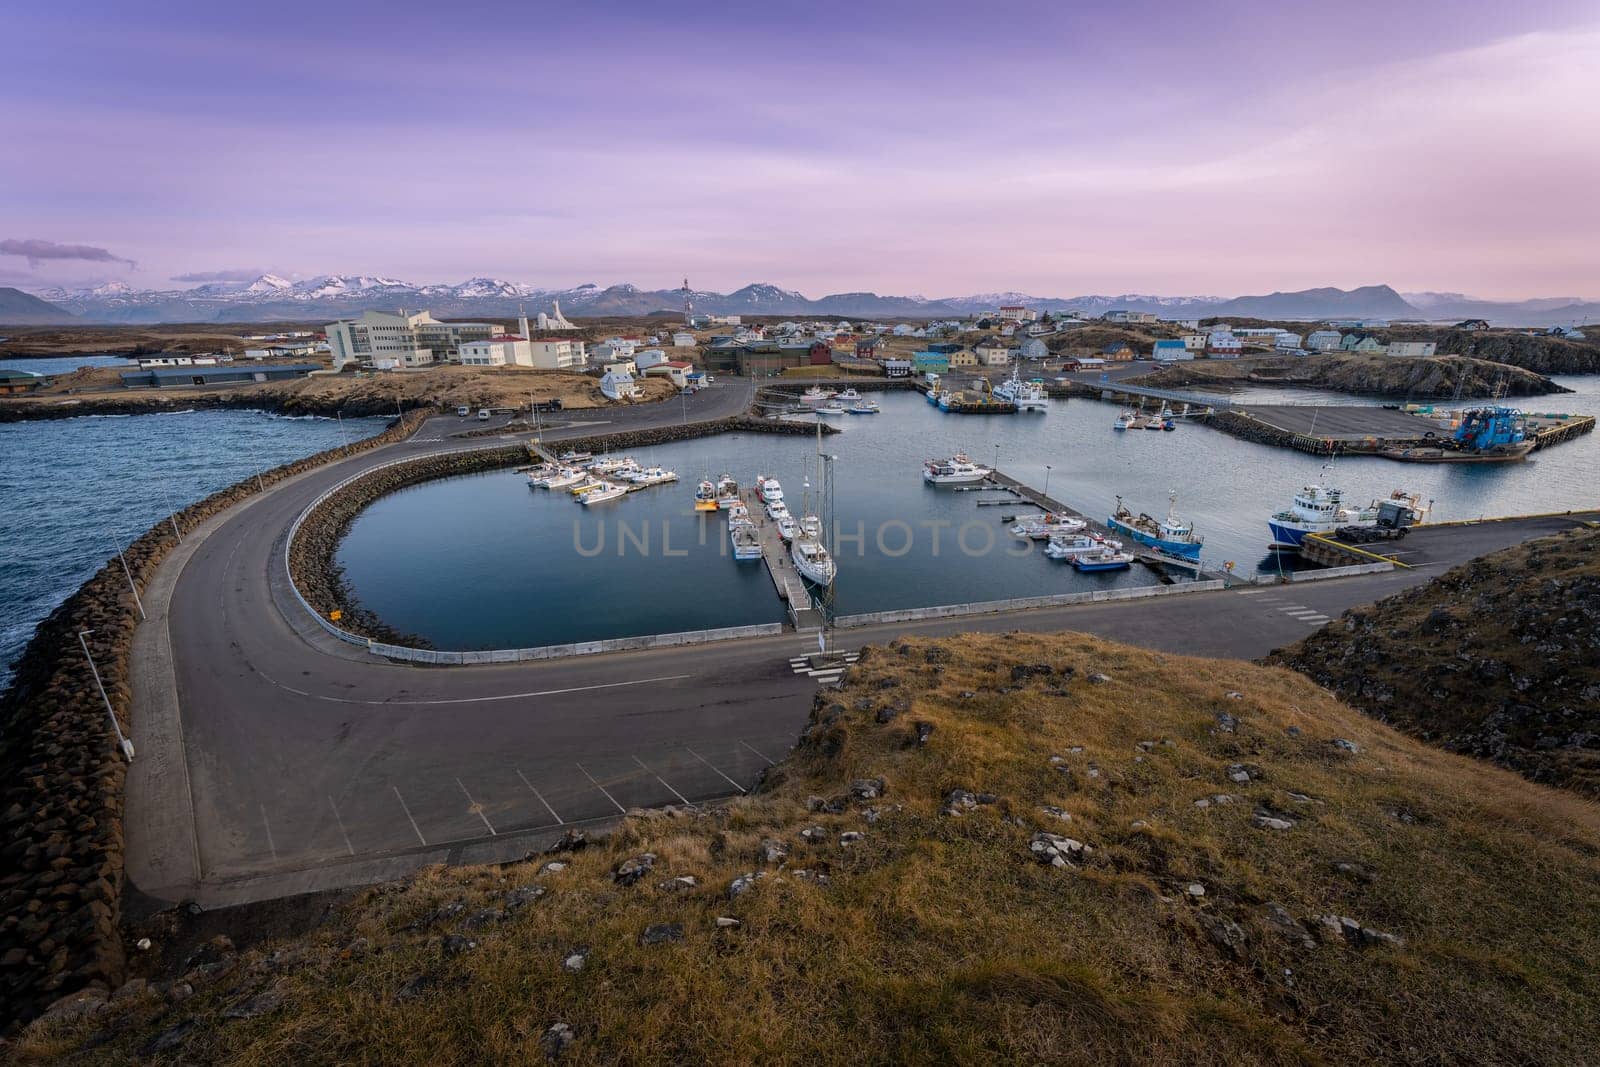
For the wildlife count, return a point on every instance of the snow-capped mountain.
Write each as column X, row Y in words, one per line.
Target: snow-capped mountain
column 270, row 298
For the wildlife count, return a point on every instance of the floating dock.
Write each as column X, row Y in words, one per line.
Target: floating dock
column 790, row 587
column 1143, row 553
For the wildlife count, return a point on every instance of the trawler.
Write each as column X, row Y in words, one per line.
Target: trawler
column 1169, row 535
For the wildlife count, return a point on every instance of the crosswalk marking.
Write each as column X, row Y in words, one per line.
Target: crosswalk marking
column 1315, row 620
column 823, row 675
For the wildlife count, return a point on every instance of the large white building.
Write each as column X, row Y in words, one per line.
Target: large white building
column 1322, row 340
column 1410, row 348
column 521, row 350
column 391, row 342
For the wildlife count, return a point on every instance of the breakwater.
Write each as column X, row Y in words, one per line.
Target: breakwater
column 61, row 802
column 156, row 403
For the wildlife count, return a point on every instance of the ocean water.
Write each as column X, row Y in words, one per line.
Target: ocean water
column 70, row 489
column 492, row 563
column 48, row 365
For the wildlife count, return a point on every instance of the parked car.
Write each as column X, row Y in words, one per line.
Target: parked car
column 463, row 411
column 483, row 414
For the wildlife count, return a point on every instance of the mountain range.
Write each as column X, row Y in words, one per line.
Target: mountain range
column 272, row 298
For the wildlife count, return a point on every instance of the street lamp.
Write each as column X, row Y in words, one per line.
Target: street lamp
column 171, row 515
column 1047, row 481
column 126, row 574
column 343, row 441
column 122, row 742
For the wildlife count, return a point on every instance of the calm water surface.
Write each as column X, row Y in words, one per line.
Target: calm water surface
column 69, row 487
column 484, row 561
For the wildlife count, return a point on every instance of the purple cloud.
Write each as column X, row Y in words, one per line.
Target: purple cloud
column 36, row 251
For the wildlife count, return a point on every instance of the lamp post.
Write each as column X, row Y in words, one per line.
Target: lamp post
column 343, row 441
column 171, row 515
column 128, row 575
column 122, row 742
column 1047, row 481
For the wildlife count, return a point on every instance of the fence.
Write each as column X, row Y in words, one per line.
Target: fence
column 576, row 648
column 995, row 607
column 1339, row 572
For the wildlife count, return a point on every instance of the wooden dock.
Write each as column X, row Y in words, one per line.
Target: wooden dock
column 790, row 587
column 1154, row 560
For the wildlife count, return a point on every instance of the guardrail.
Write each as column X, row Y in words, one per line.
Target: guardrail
column 1340, row 572
column 575, row 648
column 995, row 607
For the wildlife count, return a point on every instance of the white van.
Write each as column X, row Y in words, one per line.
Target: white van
column 483, row 414
column 463, row 411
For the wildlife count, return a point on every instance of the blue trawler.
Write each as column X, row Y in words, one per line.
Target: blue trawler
column 1169, row 535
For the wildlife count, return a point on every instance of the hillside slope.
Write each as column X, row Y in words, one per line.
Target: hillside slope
column 1365, row 375
column 1010, row 848
column 24, row 309
column 1498, row 658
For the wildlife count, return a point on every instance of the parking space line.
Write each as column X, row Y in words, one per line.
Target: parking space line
column 559, row 820
column 663, row 781
column 713, row 766
column 475, row 807
column 407, row 810
column 600, row 787
column 272, row 848
column 342, row 831
column 758, row 752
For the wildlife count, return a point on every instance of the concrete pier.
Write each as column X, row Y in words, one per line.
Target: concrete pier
column 790, row 587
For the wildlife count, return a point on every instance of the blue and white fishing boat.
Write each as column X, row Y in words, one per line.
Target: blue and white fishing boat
column 1170, row 535
column 1320, row 509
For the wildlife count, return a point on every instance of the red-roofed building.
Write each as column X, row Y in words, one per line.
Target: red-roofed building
column 675, row 370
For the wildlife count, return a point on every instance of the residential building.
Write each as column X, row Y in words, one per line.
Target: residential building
column 1018, row 313
column 1410, row 348
column 1121, row 315
column 962, row 357
column 726, row 320
column 871, row 348
column 930, row 362
column 992, row 353
column 557, row 353
column 620, row 366
column 675, row 370
column 1170, row 351
column 683, row 339
column 896, row 368
column 502, row 350
column 1118, row 352
column 1194, row 342
column 1287, row 342
column 1033, row 348
column 1322, row 340
column 1223, row 346
column 650, row 357
column 904, row 330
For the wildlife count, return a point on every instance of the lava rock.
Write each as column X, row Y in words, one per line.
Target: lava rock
column 634, row 868
column 661, row 933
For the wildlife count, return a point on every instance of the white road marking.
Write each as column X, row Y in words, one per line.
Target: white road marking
column 600, row 787
column 407, row 810
column 475, row 807
column 713, row 766
column 1250, row 592
column 342, row 831
column 1315, row 620
column 479, row 700
column 758, row 752
column 272, row 848
column 542, row 800
column 663, row 781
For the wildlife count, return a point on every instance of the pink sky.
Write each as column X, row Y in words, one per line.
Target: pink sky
column 1054, row 149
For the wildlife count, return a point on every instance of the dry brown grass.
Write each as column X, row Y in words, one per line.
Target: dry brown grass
column 939, row 939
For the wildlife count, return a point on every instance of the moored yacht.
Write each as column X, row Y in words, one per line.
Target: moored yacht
column 1070, row 546
column 1040, row 527
column 769, row 490
column 1124, row 421
column 812, row 561
column 956, row 470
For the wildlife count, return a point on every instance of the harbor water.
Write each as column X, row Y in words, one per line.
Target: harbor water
column 69, row 488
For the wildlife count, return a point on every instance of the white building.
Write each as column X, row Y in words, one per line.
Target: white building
column 557, row 353
column 1033, row 348
column 1410, row 348
column 619, row 385
column 1322, row 340
column 1223, row 346
column 904, row 330
column 394, row 341
column 1018, row 313
column 502, row 350
column 650, row 357
column 555, row 322
column 683, row 339
column 1287, row 342
column 675, row 370
column 1129, row 316
column 1194, row 342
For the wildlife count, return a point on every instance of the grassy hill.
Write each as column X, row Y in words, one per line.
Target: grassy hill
column 18, row 308
column 1498, row 658
column 1242, row 870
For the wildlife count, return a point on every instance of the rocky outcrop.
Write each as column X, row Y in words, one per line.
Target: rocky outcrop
column 61, row 774
column 1544, row 355
column 1363, row 375
column 1498, row 658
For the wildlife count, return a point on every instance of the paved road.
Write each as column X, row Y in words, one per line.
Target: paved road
column 275, row 760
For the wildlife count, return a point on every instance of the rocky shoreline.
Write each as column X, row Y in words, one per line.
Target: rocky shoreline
column 157, row 404
column 312, row 555
column 1404, row 378
column 61, row 805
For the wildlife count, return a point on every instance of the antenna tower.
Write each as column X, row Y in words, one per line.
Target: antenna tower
column 688, row 303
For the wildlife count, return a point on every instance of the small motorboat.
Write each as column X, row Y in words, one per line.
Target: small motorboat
column 705, row 497
column 1124, row 421
column 574, row 457
column 559, row 479
column 863, row 407
column 1103, row 560
column 746, row 542
column 847, row 397
column 607, row 491
column 1071, row 546
column 584, row 488
column 832, row 407
column 788, row 529
column 1040, row 527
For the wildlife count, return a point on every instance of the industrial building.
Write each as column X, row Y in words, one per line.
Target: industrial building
column 394, row 342
column 226, row 374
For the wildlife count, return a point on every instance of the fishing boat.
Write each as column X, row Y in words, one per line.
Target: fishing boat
column 956, row 470
column 653, row 476
column 1026, row 394
column 769, row 490
column 1169, row 535
column 1169, row 424
column 1151, row 422
column 1124, row 421
column 739, row 515
column 788, row 529
column 727, row 492
column 1071, row 546
column 814, row 396
column 831, row 407
column 571, row 456
column 1320, row 509
column 932, row 394
column 848, row 396
column 607, row 491
column 778, row 511
column 1042, row 527
column 1103, row 560
column 612, row 465
column 812, row 561
column 560, row 478
column 705, row 496
column 863, row 407
column 745, row 541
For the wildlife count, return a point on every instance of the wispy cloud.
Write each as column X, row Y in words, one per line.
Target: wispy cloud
column 36, row 252
column 240, row 274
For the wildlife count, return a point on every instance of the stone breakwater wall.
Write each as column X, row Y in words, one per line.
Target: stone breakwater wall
column 154, row 403
column 311, row 556
column 1248, row 429
column 61, row 772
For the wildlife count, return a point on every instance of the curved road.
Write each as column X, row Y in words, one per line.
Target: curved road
column 273, row 759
